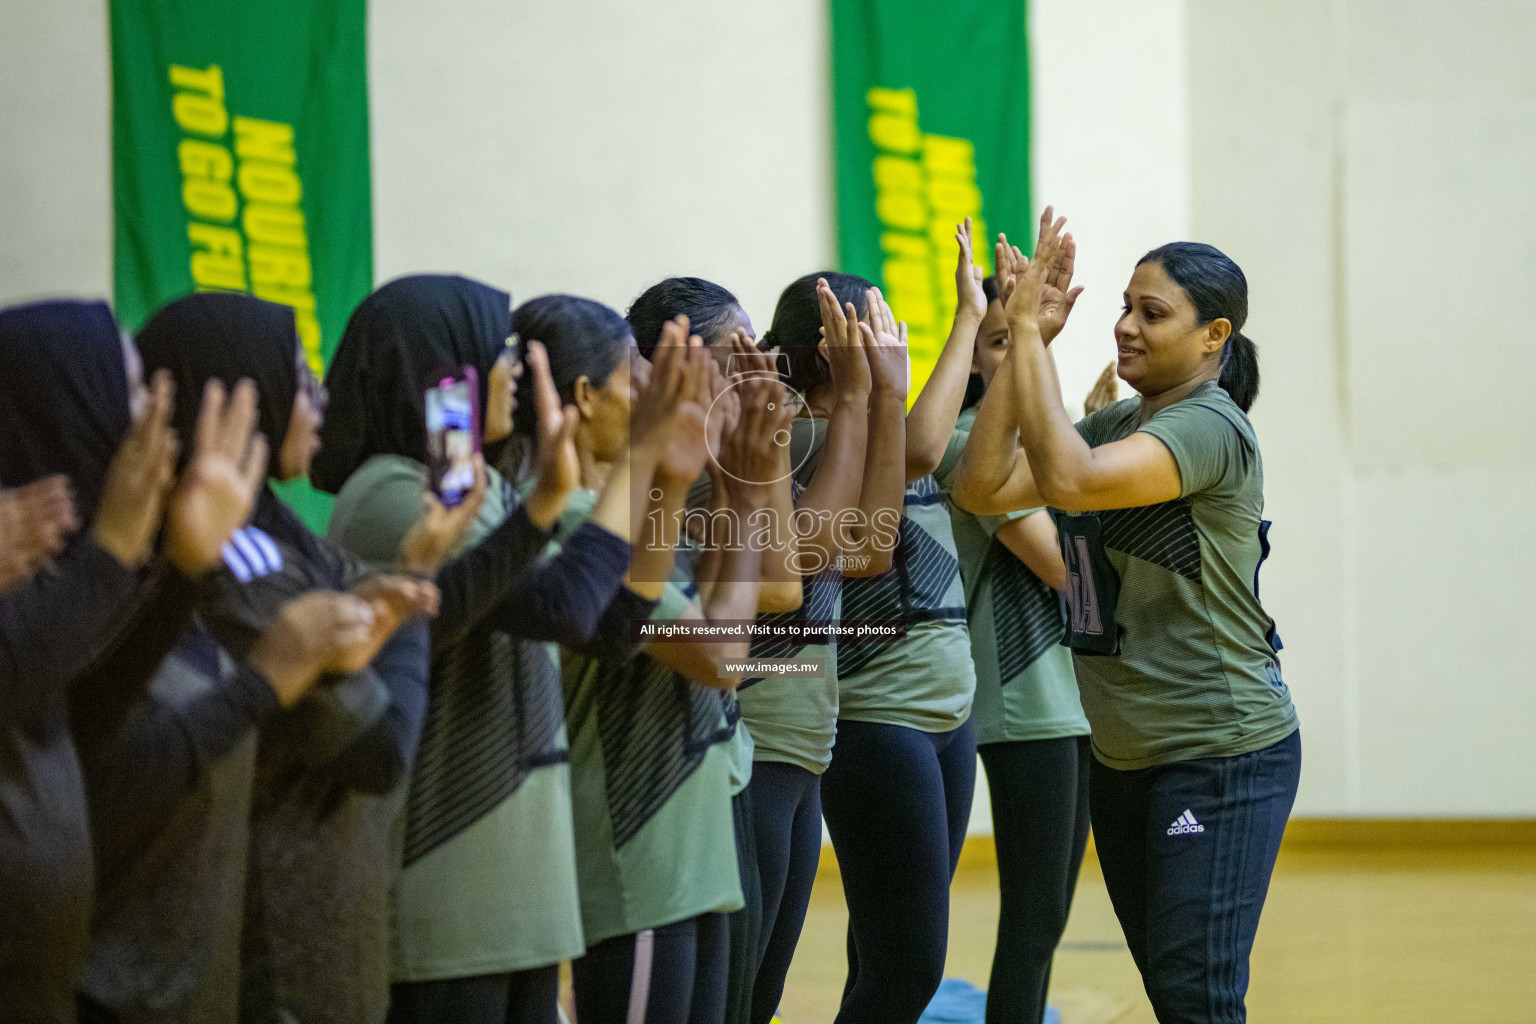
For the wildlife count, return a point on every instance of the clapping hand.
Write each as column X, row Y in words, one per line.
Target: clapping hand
column 140, row 476
column 842, row 346
column 1105, row 391
column 970, row 298
column 392, row 601
column 35, row 521
column 752, row 452
column 724, row 414
column 1027, row 301
column 559, row 468
column 657, row 385
column 671, row 411
column 308, row 636
column 885, row 347
column 687, row 447
column 1059, row 296
column 219, row 485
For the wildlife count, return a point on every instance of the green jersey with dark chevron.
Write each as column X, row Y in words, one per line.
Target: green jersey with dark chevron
column 650, row 780
column 924, row 680
column 488, row 881
column 1025, row 686
column 1169, row 594
column 790, row 720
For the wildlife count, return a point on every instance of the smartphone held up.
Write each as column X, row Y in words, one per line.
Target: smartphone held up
column 453, row 434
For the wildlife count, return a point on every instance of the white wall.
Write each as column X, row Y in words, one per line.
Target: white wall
column 55, row 150
column 1368, row 163
column 1110, row 148
column 598, row 147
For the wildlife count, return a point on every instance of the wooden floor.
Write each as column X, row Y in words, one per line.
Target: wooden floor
column 1356, row 935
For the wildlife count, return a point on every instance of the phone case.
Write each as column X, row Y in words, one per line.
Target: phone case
column 450, row 461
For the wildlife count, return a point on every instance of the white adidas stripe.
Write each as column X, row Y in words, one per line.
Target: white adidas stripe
column 268, row 549
column 236, row 563
column 250, row 553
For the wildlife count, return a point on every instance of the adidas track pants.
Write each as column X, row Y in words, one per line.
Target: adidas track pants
column 1187, row 850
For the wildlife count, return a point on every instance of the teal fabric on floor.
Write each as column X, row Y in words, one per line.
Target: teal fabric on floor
column 956, row 1002
column 959, row 1002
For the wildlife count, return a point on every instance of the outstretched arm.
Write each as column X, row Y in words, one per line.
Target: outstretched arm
column 931, row 421
column 870, row 542
column 834, row 487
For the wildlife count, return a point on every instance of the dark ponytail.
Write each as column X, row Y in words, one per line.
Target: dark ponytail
column 1217, row 289
column 796, row 327
column 1240, row 370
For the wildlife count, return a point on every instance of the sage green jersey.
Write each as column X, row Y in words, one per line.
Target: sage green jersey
column 1025, row 686
column 924, row 680
column 489, row 881
column 651, row 784
column 794, row 720
column 1176, row 658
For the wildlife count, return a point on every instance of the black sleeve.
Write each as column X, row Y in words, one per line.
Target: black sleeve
column 55, row 626
column 471, row 585
column 613, row 638
column 118, row 681
column 563, row 599
column 381, row 758
column 164, row 747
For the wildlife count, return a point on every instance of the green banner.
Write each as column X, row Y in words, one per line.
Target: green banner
column 240, row 161
column 931, row 111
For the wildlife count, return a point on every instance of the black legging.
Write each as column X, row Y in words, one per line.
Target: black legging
column 519, row 997
column 746, row 924
column 676, row 973
column 896, row 801
column 1040, row 824
column 786, row 809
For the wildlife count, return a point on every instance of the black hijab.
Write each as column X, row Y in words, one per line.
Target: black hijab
column 228, row 336
column 400, row 341
column 63, row 396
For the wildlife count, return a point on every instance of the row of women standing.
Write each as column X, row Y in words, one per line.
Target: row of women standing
column 403, row 771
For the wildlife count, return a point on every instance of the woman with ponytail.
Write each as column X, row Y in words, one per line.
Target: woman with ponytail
column 1159, row 502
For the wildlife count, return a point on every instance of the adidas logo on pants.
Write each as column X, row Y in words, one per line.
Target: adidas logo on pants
column 1185, row 824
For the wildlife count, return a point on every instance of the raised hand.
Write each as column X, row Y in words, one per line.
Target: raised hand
column 752, row 453
column 218, row 488
column 1007, row 270
column 970, row 299
column 306, row 637
column 747, row 359
column 885, row 347
column 687, row 445
column 1026, row 302
column 141, row 474
column 392, row 601
column 1105, row 391
column 724, row 412
column 438, row 530
column 1059, row 296
column 559, row 468
column 842, row 346
column 35, row 521
column 658, row 387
